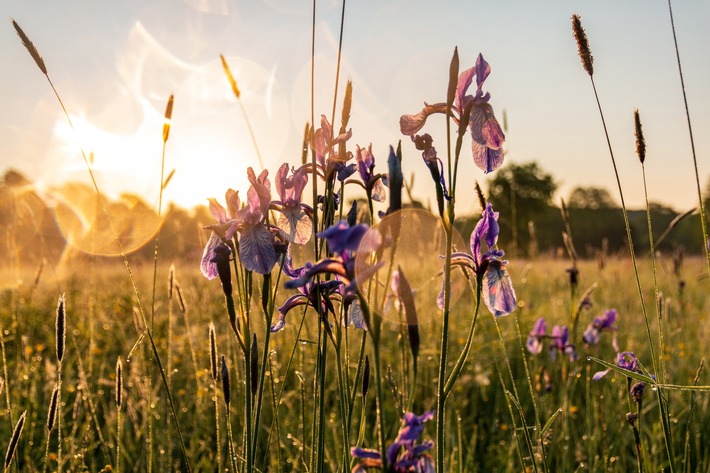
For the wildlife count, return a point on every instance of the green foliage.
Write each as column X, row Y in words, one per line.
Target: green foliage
column 520, row 193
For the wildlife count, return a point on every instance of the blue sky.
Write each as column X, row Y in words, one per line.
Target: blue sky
column 115, row 63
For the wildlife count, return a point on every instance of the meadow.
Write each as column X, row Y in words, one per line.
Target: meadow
column 316, row 333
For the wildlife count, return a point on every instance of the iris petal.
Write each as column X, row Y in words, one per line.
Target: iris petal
column 256, row 249
column 498, row 292
column 295, row 225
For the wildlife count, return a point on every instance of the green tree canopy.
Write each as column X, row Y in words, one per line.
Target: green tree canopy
column 593, row 198
column 521, row 193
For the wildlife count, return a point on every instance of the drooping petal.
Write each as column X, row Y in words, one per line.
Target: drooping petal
column 591, row 335
column 600, row 374
column 207, row 267
column 487, row 159
column 482, row 116
column 256, row 249
column 534, row 342
column 280, row 181
column 498, row 292
column 411, row 124
column 365, row 453
column 379, row 194
column 293, row 301
column 355, row 317
column 295, row 225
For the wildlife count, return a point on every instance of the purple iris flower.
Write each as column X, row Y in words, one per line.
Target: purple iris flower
column 330, row 163
column 295, row 220
column 404, row 455
column 537, row 335
column 489, row 268
column 560, row 343
column 256, row 243
column 625, row 360
column 222, row 232
column 487, row 135
column 593, row 332
column 366, row 167
column 343, row 242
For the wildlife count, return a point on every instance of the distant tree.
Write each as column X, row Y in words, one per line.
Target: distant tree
column 521, row 193
column 594, row 198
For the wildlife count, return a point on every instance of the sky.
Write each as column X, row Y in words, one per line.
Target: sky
column 115, row 63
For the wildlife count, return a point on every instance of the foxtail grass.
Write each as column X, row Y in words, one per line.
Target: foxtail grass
column 14, row 440
column 60, row 337
column 119, row 405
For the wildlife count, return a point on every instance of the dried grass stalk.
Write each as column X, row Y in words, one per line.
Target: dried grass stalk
column 30, row 48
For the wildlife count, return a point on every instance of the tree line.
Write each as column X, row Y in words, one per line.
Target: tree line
column 37, row 228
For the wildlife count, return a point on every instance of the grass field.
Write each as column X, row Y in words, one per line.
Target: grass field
column 481, row 436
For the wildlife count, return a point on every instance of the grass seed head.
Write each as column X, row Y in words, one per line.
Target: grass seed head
column 119, row 382
column 52, row 414
column 30, row 48
column 640, row 141
column 225, row 382
column 585, row 54
column 230, row 77
column 168, row 118
column 213, row 352
column 14, row 440
column 61, row 327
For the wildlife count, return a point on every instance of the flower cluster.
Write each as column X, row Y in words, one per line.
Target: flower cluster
column 404, row 455
column 559, row 340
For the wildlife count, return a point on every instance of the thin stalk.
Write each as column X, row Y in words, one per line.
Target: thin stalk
column 230, row 442
column 380, row 405
column 322, row 356
column 216, row 420
column 703, row 223
column 358, row 371
column 661, row 354
column 5, row 376
column 664, row 420
column 467, row 346
column 59, row 418
column 337, row 68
